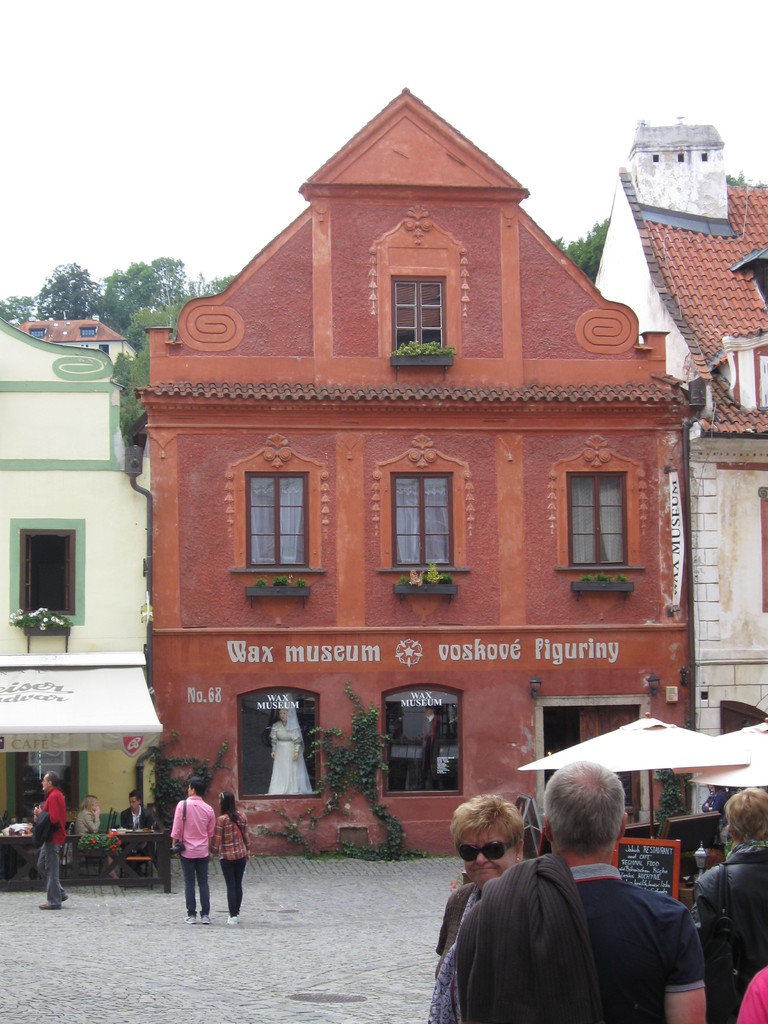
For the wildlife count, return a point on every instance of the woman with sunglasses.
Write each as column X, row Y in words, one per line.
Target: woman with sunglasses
column 488, row 833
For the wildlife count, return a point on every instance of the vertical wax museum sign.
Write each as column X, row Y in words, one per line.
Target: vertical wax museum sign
column 677, row 537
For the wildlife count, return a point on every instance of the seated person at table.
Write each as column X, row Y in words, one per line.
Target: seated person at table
column 135, row 816
column 89, row 816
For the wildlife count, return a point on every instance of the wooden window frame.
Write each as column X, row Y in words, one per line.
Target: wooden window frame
column 420, row 477
column 277, row 564
column 27, row 536
column 418, row 282
column 596, row 478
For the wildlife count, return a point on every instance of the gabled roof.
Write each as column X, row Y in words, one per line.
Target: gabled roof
column 407, row 144
column 63, row 331
column 696, row 271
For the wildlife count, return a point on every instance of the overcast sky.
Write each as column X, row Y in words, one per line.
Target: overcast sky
column 185, row 129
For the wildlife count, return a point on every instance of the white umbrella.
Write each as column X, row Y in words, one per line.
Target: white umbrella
column 645, row 745
column 752, row 742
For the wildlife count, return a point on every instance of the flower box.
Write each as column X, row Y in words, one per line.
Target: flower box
column 599, row 586
column 280, row 591
column 64, row 631
column 438, row 589
column 435, row 360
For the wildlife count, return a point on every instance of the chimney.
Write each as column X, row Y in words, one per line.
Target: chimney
column 680, row 167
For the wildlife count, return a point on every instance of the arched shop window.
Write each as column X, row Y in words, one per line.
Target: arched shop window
column 423, row 745
column 276, row 742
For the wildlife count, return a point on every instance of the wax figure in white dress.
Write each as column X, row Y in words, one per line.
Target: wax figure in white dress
column 289, row 772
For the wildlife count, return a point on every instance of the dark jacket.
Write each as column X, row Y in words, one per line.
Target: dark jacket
column 454, row 911
column 523, row 952
column 747, row 873
column 145, row 818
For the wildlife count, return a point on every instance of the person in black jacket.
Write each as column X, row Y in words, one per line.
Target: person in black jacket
column 135, row 816
column 747, row 883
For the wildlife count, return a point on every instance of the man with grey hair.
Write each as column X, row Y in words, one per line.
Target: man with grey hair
column 649, row 962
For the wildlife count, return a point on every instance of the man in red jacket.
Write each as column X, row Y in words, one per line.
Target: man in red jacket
column 50, row 852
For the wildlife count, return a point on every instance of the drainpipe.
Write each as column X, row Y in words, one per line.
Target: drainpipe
column 133, row 467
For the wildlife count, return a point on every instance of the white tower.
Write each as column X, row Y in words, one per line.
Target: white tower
column 680, row 167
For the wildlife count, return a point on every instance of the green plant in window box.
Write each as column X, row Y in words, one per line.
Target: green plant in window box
column 603, row 577
column 299, row 582
column 432, row 577
column 42, row 619
column 261, row 582
column 280, row 581
column 427, row 348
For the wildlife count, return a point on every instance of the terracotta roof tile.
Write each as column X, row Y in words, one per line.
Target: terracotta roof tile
column 663, row 391
column 712, row 299
column 64, row 331
column 729, row 418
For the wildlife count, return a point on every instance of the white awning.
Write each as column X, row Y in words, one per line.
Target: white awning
column 96, row 701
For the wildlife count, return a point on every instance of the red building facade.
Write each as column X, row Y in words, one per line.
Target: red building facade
column 294, row 434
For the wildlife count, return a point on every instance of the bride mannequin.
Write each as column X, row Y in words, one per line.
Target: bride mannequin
column 289, row 772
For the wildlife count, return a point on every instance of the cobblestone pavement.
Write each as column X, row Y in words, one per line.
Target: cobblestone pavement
column 339, row 941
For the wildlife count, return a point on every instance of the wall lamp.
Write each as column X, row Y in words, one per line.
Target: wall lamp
column 535, row 684
column 653, row 683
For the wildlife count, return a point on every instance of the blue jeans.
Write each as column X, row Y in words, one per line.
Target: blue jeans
column 48, row 868
column 196, row 868
column 233, row 871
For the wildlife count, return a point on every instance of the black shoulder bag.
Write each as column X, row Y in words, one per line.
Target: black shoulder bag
column 179, row 847
column 721, row 959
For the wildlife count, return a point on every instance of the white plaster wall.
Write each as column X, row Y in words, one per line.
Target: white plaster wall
column 115, row 540
column 623, row 276
column 36, row 425
column 693, row 186
column 731, row 628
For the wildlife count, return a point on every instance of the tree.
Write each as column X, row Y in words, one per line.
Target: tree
column 742, row 181
column 17, row 308
column 131, row 374
column 68, row 294
column 586, row 252
column 125, row 293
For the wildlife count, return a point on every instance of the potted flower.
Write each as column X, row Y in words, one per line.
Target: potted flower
column 281, row 586
column 108, row 842
column 428, row 353
column 42, row 621
column 430, row 582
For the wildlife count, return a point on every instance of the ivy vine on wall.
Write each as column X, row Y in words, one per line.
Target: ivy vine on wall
column 351, row 765
column 169, row 786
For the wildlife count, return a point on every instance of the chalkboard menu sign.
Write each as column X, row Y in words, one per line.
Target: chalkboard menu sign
column 650, row 863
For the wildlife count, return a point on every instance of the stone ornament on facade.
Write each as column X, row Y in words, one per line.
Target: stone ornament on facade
column 207, row 327
column 418, row 225
column 607, row 331
column 277, row 450
column 409, row 652
column 424, row 455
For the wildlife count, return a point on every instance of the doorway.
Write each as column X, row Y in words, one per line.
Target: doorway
column 564, row 725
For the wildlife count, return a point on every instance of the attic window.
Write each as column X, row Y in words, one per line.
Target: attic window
column 37, row 332
column 681, row 158
column 418, row 309
column 87, row 332
column 655, row 158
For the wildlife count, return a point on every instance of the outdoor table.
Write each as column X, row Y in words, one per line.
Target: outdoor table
column 111, row 867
